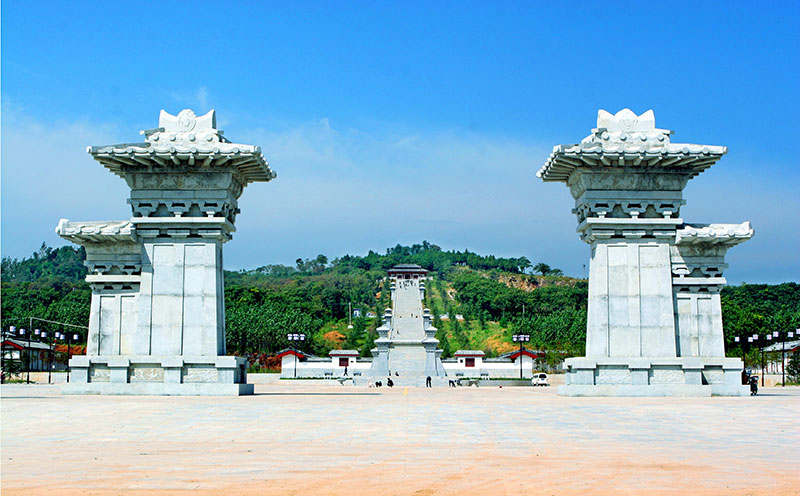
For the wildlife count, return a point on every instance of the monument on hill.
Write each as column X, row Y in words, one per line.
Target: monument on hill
column 655, row 320
column 157, row 321
column 406, row 346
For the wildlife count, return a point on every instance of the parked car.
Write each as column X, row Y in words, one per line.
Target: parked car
column 540, row 379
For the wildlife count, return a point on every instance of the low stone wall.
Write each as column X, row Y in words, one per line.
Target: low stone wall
column 263, row 378
column 41, row 377
column 771, row 380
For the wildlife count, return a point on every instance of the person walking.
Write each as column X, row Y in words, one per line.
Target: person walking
column 345, row 370
column 428, row 381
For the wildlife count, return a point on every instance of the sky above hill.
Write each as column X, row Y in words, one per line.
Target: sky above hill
column 397, row 122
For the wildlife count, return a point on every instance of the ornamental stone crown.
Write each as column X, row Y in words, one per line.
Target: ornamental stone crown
column 185, row 128
column 625, row 127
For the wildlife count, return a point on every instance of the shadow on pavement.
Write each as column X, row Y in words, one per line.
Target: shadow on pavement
column 316, row 394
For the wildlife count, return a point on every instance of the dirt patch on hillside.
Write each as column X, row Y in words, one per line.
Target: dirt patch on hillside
column 499, row 346
column 333, row 338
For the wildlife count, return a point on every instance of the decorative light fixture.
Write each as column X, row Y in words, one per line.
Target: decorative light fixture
column 295, row 337
column 520, row 338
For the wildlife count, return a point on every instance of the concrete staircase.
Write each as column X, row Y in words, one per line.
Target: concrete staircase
column 407, row 356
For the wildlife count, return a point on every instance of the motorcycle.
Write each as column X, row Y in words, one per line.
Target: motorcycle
column 753, row 385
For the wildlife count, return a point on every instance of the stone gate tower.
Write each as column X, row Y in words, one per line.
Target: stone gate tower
column 655, row 319
column 157, row 322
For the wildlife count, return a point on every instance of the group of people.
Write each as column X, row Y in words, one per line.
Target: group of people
column 389, row 383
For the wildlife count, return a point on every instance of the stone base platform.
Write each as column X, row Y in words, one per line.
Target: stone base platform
column 653, row 376
column 159, row 375
column 158, row 389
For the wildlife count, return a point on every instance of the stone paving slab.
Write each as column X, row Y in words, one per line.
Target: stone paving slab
column 299, row 439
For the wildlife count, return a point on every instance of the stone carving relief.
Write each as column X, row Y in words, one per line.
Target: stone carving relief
column 146, row 373
column 199, row 374
column 99, row 373
column 666, row 375
column 613, row 375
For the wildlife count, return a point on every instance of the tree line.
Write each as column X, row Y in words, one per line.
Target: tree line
column 313, row 297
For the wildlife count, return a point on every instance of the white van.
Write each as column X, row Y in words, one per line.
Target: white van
column 539, row 379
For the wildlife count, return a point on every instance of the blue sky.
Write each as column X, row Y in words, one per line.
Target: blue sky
column 394, row 122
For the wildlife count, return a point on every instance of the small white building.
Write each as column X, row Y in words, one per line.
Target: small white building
column 474, row 364
column 786, row 350
column 34, row 355
column 298, row 364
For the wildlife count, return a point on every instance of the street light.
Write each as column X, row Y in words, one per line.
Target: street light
column 761, row 347
column 11, row 330
column 788, row 335
column 52, row 347
column 295, row 337
column 75, row 338
column 520, row 338
column 22, row 332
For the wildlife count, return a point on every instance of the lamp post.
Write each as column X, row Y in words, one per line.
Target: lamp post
column 50, row 362
column 22, row 333
column 744, row 342
column 58, row 336
column 70, row 339
column 38, row 333
column 11, row 330
column 760, row 340
column 520, row 338
column 295, row 337
column 783, row 338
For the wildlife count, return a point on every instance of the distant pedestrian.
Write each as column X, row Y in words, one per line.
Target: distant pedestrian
column 389, row 382
column 428, row 381
column 345, row 370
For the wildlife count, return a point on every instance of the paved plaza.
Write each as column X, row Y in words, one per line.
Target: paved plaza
column 292, row 439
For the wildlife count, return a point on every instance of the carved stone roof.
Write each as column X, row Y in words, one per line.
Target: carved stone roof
column 728, row 234
column 184, row 140
column 406, row 268
column 97, row 231
column 627, row 140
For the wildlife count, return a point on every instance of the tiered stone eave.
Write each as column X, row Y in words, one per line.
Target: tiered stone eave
column 122, row 159
column 714, row 234
column 114, row 231
column 678, row 157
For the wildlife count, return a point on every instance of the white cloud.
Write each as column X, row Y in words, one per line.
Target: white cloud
column 47, row 174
